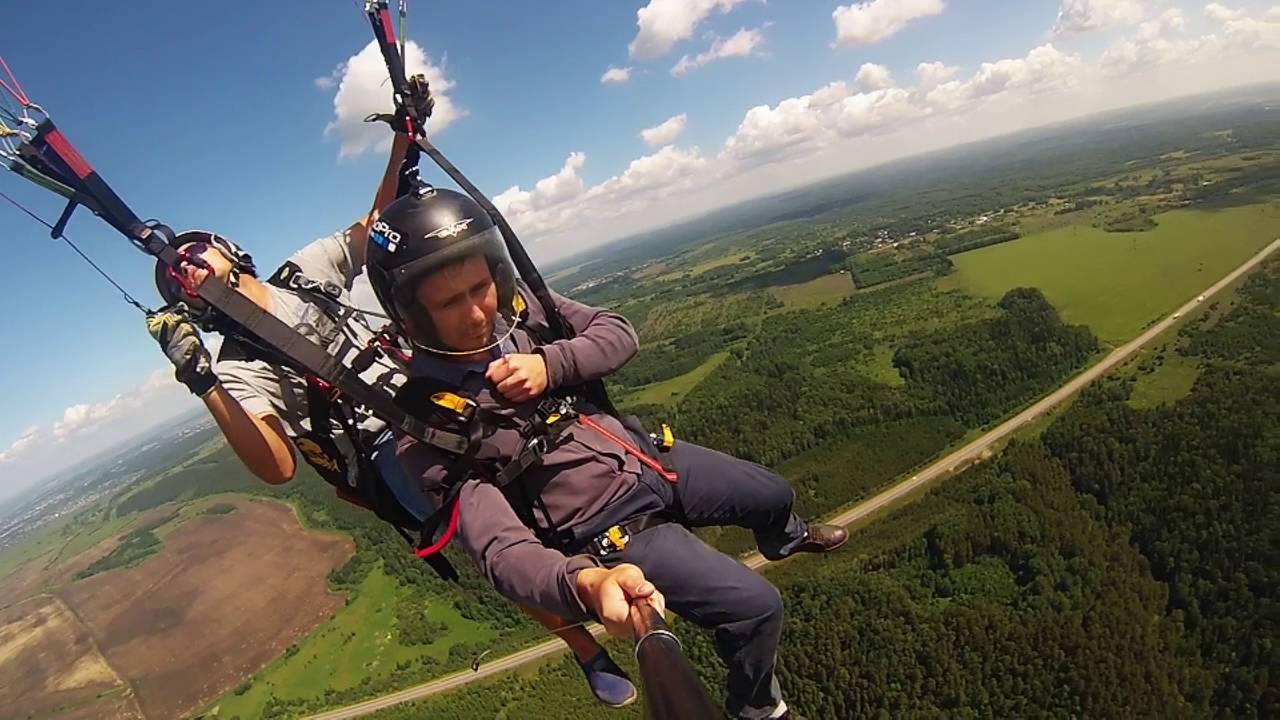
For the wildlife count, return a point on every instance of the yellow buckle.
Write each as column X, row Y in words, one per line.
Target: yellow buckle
column 617, row 537
column 668, row 437
column 450, row 401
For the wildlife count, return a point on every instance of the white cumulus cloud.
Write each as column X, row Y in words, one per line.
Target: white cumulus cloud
column 870, row 22
column 1157, row 42
column 551, row 190
column 24, row 440
column 873, row 77
column 741, row 44
column 1078, row 16
column 615, row 75
column 834, row 113
column 665, row 132
column 1218, row 12
column 1043, row 69
column 541, row 213
column 364, row 88
column 663, row 23
column 1243, row 32
column 877, row 111
column 932, row 74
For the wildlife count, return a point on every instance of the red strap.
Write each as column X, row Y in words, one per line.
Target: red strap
column 385, row 17
column 652, row 464
column 68, row 154
column 449, row 532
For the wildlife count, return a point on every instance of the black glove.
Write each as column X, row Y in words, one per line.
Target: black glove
column 181, row 343
column 417, row 108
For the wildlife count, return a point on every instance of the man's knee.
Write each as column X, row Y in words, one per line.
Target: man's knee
column 761, row 603
column 776, row 492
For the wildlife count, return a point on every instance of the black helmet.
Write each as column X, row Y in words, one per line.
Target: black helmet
column 173, row 287
column 422, row 232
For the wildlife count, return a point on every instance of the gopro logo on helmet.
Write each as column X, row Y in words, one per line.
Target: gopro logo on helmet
column 385, row 236
column 450, row 230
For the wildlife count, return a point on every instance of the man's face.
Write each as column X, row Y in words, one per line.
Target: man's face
column 462, row 302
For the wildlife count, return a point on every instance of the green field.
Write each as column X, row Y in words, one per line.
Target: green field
column 1169, row 381
column 668, row 392
column 1118, row 283
column 46, row 542
column 879, row 367
column 828, row 288
column 1160, row 372
column 358, row 643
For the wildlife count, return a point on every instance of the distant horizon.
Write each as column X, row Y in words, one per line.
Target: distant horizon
column 22, row 496
column 591, row 254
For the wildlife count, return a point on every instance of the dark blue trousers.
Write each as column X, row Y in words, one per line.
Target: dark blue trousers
column 703, row 585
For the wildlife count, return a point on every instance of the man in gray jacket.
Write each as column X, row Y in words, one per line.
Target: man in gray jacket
column 264, row 408
column 560, row 504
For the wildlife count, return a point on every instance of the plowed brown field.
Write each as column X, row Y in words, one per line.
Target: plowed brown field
column 226, row 595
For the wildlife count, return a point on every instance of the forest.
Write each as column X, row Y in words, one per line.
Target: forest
column 979, row 370
column 790, row 389
column 1198, row 484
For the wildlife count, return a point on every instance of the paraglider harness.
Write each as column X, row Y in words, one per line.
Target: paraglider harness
column 47, row 158
column 451, row 409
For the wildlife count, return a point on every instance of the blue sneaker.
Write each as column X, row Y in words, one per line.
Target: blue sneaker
column 608, row 682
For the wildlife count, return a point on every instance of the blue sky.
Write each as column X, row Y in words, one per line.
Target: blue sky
column 210, row 115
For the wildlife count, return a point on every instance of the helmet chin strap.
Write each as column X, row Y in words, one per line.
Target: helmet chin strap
column 455, row 353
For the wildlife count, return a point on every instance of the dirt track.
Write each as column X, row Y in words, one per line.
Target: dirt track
column 967, row 455
column 226, row 595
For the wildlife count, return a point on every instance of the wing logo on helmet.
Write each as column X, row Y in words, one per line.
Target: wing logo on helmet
column 385, row 236
column 451, row 230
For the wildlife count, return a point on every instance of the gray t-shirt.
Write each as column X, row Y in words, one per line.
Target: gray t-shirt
column 266, row 389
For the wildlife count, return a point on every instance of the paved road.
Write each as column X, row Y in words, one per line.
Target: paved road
column 961, row 458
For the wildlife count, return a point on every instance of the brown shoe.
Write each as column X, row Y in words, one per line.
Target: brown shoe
column 822, row 538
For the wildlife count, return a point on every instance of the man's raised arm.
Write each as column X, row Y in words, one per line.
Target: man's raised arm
column 358, row 234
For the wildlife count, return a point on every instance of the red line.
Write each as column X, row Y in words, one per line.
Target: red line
column 68, row 153
column 449, row 532
column 20, row 95
column 652, row 464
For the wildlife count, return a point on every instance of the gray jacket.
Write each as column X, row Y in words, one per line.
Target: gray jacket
column 581, row 476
